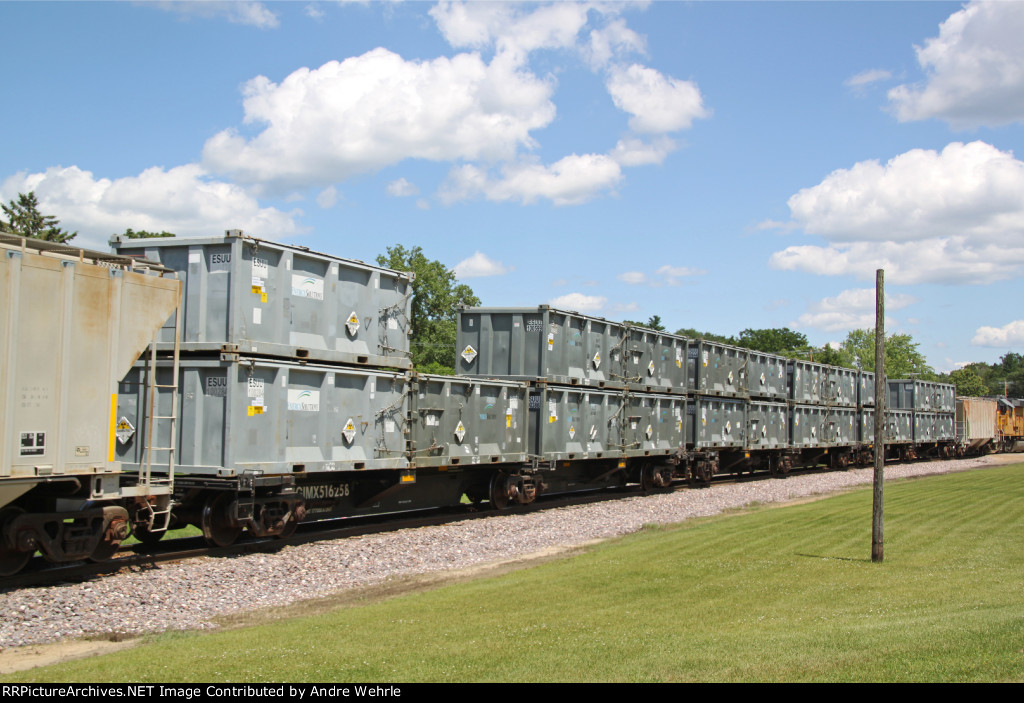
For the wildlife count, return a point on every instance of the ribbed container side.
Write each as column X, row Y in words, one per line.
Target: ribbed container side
column 458, row 420
column 976, row 420
column 865, row 388
column 933, row 427
column 717, row 423
column 542, row 342
column 807, row 382
column 843, row 426
column 576, row 423
column 912, row 394
column 654, row 361
column 808, row 425
column 766, row 376
column 717, row 369
column 654, row 424
column 257, row 415
column 899, row 426
column 259, row 297
column 767, row 425
column 69, row 330
column 843, row 388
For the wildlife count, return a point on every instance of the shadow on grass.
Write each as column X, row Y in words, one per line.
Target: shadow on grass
column 822, row 556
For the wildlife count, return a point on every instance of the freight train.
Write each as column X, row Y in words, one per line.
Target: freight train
column 281, row 391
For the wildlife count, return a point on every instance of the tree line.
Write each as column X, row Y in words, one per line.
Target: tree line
column 436, row 294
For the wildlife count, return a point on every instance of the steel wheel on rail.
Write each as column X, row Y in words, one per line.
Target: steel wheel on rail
column 12, row 560
column 499, row 493
column 219, row 527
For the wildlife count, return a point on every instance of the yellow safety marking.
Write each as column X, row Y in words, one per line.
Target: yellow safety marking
column 113, row 426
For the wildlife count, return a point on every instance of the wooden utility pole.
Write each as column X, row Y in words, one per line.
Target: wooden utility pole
column 881, row 391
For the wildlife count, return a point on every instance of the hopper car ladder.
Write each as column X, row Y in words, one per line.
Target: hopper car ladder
column 159, row 515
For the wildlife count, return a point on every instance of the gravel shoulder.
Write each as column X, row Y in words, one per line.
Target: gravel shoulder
column 56, row 623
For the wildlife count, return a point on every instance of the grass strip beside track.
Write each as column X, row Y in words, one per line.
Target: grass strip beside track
column 786, row 594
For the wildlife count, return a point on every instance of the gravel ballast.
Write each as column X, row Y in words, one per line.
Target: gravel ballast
column 191, row 594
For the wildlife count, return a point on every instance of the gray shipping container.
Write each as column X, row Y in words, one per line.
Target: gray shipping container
column 842, row 387
column 843, row 429
column 866, row 388
column 808, row 382
column 273, row 418
column 933, row 427
column 653, row 424
column 899, row 428
column 766, row 376
column 542, row 342
column 576, row 423
column 655, row 361
column 72, row 323
column 808, row 426
column 258, row 297
column 767, row 425
column 907, row 394
column 459, row 420
column 717, row 369
column 716, row 423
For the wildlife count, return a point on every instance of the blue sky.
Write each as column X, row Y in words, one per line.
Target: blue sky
column 722, row 165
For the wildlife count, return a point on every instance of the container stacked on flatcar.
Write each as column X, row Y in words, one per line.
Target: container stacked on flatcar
column 609, row 393
column 293, row 382
column 929, row 408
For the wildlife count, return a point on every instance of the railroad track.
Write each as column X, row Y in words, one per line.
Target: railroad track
column 140, row 556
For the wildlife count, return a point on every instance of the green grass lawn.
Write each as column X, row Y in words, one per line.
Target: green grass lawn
column 786, row 594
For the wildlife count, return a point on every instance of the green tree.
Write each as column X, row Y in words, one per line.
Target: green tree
column 435, row 295
column 653, row 323
column 773, row 341
column 143, row 234
column 902, row 357
column 23, row 217
column 833, row 357
column 696, row 334
column 968, row 382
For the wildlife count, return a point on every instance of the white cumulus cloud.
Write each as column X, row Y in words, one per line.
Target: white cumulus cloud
column 672, row 274
column 867, row 77
column 326, row 124
column 182, row 200
column 636, row 152
column 1009, row 335
column 571, row 180
column 954, row 216
column 254, row 14
column 513, row 28
column 974, row 69
column 579, row 302
column 402, row 188
column 658, row 103
column 478, row 266
column 633, row 277
column 851, row 309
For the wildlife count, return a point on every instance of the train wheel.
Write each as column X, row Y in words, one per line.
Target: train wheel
column 289, row 528
column 499, row 491
column 12, row 560
column 115, row 530
column 219, row 529
column 647, row 478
